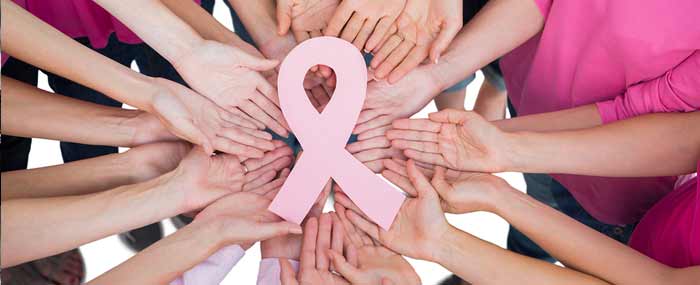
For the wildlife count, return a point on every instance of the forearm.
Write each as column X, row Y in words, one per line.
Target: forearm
column 164, row 261
column 31, row 112
column 501, row 26
column 582, row 117
column 620, row 149
column 153, row 22
column 75, row 178
column 33, row 41
column 62, row 223
column 479, row 262
column 576, row 245
column 259, row 20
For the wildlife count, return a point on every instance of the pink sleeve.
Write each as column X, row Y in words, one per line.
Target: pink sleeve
column 269, row 272
column 4, row 58
column 675, row 91
column 544, row 6
column 214, row 269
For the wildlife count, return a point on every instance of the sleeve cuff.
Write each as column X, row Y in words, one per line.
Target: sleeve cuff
column 270, row 271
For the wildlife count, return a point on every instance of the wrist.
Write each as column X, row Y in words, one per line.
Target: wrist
column 447, row 247
column 523, row 154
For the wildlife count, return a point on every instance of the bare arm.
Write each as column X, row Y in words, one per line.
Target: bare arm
column 31, row 112
column 95, row 174
column 260, row 22
column 568, row 119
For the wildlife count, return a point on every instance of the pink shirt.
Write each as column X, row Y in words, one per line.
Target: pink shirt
column 631, row 57
column 670, row 231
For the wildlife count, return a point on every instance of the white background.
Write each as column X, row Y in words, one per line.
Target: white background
column 101, row 255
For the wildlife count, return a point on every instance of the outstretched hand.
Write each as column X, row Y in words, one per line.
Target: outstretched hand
column 363, row 22
column 460, row 140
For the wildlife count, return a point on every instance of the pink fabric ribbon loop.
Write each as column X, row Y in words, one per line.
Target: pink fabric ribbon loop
column 324, row 136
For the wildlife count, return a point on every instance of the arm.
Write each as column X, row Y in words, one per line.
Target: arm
column 490, row 264
column 38, row 44
column 31, row 112
column 95, row 174
column 581, row 117
column 259, row 20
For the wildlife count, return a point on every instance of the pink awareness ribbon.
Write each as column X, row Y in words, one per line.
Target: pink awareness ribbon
column 324, row 136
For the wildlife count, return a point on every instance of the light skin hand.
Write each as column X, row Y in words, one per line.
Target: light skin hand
column 306, row 18
column 204, row 179
column 373, row 151
column 369, row 262
column 363, row 22
column 459, row 140
column 418, row 226
column 424, row 29
column 387, row 102
column 196, row 119
column 231, row 78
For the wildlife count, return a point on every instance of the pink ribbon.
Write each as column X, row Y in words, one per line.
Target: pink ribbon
column 324, row 136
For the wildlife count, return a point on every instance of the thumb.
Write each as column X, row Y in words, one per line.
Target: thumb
column 419, row 181
column 188, row 131
column 439, row 182
column 343, row 267
column 284, row 18
column 387, row 281
column 287, row 274
column 257, row 63
column 447, row 34
column 264, row 231
column 450, row 116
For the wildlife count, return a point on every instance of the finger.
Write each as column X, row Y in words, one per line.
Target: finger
column 375, row 166
column 256, row 63
column 351, row 254
column 451, row 116
column 419, row 181
column 344, row 268
column 269, row 190
column 387, row 281
column 276, row 165
column 301, row 36
column 270, row 92
column 352, row 27
column 430, row 158
column 260, row 180
column 392, row 30
column 344, row 200
column 254, row 111
column 364, row 33
column 287, row 274
column 364, row 225
column 377, row 142
column 284, row 17
column 387, row 49
column 373, row 133
column 323, row 241
column 226, row 145
column 341, row 16
column 313, row 100
column 280, row 150
column 416, row 136
column 439, row 182
column 449, row 30
column 369, row 114
column 424, row 125
column 242, row 137
column 249, row 119
column 338, row 234
column 264, row 231
column 395, row 166
column 397, row 57
column 257, row 133
column 374, row 154
column 429, row 147
column 270, row 109
column 320, row 95
column 315, row 33
column 307, row 258
column 410, row 62
column 381, row 29
column 380, row 121
column 350, row 230
column 238, row 118
column 401, row 181
column 191, row 133
column 325, row 71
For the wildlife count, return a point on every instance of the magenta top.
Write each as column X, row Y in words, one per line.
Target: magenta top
column 631, row 57
column 670, row 231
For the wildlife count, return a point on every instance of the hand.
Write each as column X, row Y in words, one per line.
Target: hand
column 367, row 261
column 152, row 160
column 418, row 227
column 364, row 22
column 197, row 120
column 459, row 140
column 148, row 129
column 320, row 236
column 424, row 28
column 386, row 102
column 460, row 192
column 231, row 78
column 306, row 18
column 242, row 218
column 202, row 178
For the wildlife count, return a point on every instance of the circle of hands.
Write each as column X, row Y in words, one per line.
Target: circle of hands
column 232, row 174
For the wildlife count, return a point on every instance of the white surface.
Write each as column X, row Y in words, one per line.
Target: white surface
column 104, row 254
